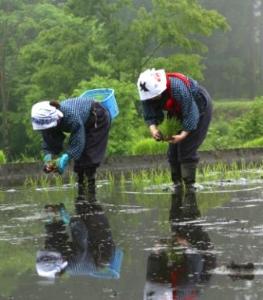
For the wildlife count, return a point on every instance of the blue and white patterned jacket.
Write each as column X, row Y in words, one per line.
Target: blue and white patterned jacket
column 153, row 110
column 76, row 112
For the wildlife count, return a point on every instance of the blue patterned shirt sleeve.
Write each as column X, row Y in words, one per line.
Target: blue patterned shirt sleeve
column 184, row 96
column 76, row 112
column 77, row 139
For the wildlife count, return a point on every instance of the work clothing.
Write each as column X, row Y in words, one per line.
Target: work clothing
column 189, row 99
column 76, row 112
column 189, row 102
column 96, row 136
column 186, row 151
column 88, row 124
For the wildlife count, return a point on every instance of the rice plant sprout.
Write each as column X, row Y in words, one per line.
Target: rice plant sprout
column 170, row 127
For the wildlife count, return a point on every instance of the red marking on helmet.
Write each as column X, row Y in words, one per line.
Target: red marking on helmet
column 157, row 76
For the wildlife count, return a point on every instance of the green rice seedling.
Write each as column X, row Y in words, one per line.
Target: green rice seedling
column 222, row 171
column 160, row 177
column 169, row 127
column 122, row 181
column 58, row 181
column 30, row 183
column 140, row 179
column 156, row 177
column 216, row 172
column 111, row 179
column 207, row 172
column 33, row 183
column 44, row 182
column 72, row 180
column 151, row 177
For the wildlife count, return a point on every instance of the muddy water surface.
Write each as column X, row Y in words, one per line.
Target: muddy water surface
column 203, row 245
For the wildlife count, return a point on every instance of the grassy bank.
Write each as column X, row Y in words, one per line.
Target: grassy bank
column 235, row 124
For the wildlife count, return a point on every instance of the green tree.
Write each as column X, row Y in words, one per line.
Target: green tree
column 55, row 45
column 8, row 50
column 19, row 24
column 152, row 29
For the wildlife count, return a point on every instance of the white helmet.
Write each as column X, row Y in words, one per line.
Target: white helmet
column 151, row 83
column 156, row 291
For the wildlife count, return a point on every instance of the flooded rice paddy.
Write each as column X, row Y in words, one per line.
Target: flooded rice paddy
column 137, row 243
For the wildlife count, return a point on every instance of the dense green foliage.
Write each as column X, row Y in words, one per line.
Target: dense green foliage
column 228, row 132
column 55, row 49
column 2, row 157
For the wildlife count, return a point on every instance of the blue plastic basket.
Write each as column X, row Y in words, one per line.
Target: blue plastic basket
column 106, row 97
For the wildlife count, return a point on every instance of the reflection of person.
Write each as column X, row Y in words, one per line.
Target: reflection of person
column 183, row 98
column 176, row 270
column 89, row 249
column 88, row 124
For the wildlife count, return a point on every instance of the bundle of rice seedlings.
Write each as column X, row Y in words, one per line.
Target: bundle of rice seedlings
column 169, row 127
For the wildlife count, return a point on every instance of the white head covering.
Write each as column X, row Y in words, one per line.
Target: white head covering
column 44, row 115
column 49, row 263
column 151, row 83
column 158, row 291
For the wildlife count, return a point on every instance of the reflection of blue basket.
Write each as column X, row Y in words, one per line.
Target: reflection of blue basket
column 106, row 98
column 87, row 267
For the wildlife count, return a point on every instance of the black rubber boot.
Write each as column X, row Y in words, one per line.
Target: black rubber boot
column 188, row 171
column 176, row 176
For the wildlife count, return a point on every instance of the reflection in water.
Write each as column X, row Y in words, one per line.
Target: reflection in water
column 135, row 221
column 180, row 264
column 79, row 245
column 243, row 271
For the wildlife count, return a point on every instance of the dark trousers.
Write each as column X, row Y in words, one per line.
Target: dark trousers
column 97, row 132
column 186, row 151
